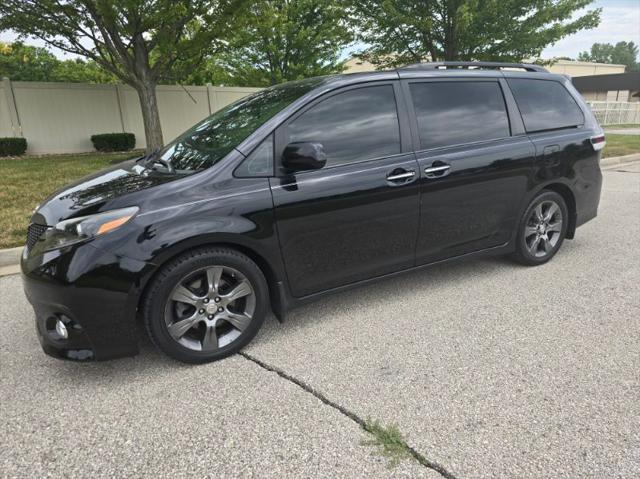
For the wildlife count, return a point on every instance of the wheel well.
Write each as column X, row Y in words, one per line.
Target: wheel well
column 570, row 200
column 269, row 274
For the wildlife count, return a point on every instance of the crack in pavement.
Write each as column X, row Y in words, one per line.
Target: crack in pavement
column 345, row 412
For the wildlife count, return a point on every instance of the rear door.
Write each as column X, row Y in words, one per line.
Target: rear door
column 554, row 122
column 475, row 164
column 561, row 133
column 357, row 217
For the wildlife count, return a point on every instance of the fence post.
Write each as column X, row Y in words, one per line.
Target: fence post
column 120, row 99
column 620, row 114
column 211, row 94
column 16, row 127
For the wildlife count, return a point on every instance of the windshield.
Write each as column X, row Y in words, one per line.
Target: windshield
column 213, row 138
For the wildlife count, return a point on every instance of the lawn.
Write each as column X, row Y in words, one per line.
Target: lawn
column 620, row 145
column 25, row 182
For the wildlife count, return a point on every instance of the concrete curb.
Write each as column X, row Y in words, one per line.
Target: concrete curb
column 617, row 160
column 8, row 270
column 10, row 258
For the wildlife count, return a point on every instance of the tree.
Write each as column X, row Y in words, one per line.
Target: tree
column 138, row 41
column 286, row 40
column 26, row 63
column 622, row 53
column 22, row 62
column 80, row 71
column 209, row 70
column 408, row 31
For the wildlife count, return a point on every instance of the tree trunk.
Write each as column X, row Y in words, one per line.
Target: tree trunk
column 150, row 116
column 450, row 47
column 450, row 33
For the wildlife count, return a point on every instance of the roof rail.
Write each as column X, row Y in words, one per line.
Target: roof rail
column 480, row 65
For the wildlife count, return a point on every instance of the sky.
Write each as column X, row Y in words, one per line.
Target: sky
column 620, row 21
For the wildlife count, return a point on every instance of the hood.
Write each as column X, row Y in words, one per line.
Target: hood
column 90, row 194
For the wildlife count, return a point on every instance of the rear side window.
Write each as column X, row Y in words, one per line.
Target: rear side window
column 545, row 105
column 453, row 113
column 356, row 125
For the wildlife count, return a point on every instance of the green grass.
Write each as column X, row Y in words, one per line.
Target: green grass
column 25, row 182
column 389, row 442
column 619, row 145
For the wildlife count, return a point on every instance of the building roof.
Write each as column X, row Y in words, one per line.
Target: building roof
column 617, row 82
column 575, row 68
column 586, row 64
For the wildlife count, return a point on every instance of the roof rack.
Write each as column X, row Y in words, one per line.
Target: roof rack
column 468, row 65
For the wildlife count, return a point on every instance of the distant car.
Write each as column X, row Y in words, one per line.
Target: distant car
column 308, row 188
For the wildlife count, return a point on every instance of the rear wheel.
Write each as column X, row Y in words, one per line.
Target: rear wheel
column 206, row 305
column 542, row 229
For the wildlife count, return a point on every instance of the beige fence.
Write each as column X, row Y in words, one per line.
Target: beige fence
column 615, row 112
column 61, row 117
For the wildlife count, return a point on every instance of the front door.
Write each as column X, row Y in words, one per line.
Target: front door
column 473, row 173
column 357, row 217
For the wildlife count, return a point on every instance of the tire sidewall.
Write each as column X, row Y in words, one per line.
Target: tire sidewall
column 176, row 271
column 521, row 247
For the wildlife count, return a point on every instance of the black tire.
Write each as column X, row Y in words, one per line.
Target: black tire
column 160, row 311
column 527, row 251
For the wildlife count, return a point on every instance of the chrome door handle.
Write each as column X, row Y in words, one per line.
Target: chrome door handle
column 402, row 176
column 432, row 171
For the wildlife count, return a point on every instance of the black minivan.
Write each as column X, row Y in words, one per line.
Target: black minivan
column 307, row 188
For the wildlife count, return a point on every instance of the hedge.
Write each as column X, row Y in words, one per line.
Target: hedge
column 12, row 146
column 114, row 141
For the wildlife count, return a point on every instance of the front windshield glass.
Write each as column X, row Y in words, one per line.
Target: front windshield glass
column 213, row 138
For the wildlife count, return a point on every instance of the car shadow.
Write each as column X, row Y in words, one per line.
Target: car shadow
column 375, row 295
column 406, row 285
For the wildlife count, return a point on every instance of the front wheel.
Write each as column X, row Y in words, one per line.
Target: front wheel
column 206, row 305
column 542, row 229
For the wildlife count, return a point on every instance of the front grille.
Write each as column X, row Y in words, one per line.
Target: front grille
column 34, row 233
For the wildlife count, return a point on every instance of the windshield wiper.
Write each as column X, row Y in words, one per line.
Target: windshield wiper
column 153, row 158
column 149, row 157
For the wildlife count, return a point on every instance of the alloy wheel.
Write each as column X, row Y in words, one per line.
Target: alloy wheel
column 543, row 229
column 210, row 308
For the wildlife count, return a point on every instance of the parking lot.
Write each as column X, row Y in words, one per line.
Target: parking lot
column 489, row 369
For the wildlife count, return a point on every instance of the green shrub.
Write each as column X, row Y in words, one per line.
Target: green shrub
column 12, row 146
column 114, row 141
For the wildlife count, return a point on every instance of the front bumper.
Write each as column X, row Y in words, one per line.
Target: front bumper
column 94, row 292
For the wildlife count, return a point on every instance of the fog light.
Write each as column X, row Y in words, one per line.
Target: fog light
column 61, row 329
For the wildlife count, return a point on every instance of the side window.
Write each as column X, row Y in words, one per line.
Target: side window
column 454, row 113
column 545, row 105
column 356, row 125
column 259, row 162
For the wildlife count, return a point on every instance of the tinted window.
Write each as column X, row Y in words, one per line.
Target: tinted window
column 545, row 105
column 259, row 162
column 355, row 125
column 213, row 138
column 453, row 113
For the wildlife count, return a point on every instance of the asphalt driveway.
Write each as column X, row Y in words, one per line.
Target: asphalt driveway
column 488, row 369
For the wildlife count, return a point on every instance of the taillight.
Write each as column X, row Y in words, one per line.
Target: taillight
column 598, row 142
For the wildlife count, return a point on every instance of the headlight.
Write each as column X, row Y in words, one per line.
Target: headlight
column 80, row 229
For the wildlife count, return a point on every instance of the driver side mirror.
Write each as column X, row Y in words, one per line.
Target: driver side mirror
column 303, row 156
